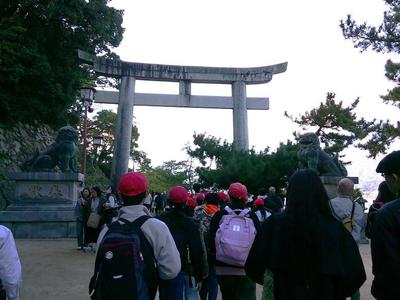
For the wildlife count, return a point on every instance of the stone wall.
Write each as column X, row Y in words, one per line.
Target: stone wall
column 18, row 143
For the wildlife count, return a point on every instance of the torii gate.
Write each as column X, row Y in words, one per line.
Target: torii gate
column 126, row 98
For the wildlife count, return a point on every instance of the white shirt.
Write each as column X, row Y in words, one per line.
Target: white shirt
column 260, row 217
column 148, row 200
column 10, row 265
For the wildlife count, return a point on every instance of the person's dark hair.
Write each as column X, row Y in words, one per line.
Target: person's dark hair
column 212, row 198
column 98, row 191
column 85, row 189
column 307, row 202
column 236, row 203
column 132, row 200
column 177, row 206
column 262, row 210
column 196, row 187
column 384, row 194
column 189, row 211
column 113, row 190
column 262, row 191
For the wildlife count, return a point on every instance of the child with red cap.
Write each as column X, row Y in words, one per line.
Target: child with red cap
column 189, row 241
column 190, row 206
column 259, row 209
column 133, row 187
column 204, row 214
column 232, row 279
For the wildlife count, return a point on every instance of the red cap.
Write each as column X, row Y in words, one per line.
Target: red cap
column 178, row 194
column 259, row 202
column 199, row 196
column 223, row 196
column 132, row 184
column 191, row 203
column 238, row 190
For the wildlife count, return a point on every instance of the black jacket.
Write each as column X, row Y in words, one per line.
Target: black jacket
column 385, row 250
column 340, row 268
column 214, row 225
column 273, row 203
column 188, row 238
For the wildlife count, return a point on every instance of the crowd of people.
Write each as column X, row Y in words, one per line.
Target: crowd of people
column 305, row 249
column 185, row 245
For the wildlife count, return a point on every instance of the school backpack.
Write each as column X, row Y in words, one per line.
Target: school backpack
column 234, row 238
column 373, row 210
column 348, row 221
column 125, row 268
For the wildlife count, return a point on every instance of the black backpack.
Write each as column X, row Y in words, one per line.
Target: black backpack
column 373, row 210
column 125, row 267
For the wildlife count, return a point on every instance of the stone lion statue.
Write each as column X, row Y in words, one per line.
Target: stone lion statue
column 311, row 156
column 62, row 153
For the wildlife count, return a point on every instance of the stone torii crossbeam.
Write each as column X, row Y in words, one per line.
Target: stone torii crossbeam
column 126, row 98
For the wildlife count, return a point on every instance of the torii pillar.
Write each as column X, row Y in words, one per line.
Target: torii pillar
column 126, row 98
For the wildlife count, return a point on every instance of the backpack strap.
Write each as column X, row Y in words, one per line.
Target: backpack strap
column 228, row 210
column 352, row 211
column 244, row 212
column 137, row 223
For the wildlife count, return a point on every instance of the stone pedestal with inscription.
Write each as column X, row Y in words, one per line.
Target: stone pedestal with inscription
column 330, row 183
column 43, row 205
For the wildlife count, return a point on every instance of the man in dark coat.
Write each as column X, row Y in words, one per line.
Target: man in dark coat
column 385, row 242
column 273, row 203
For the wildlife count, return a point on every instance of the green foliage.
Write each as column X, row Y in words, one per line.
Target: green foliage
column 39, row 68
column 384, row 38
column 103, row 124
column 169, row 174
column 96, row 177
column 337, row 126
column 221, row 164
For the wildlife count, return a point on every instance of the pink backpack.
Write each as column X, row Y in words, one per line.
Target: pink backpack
column 234, row 238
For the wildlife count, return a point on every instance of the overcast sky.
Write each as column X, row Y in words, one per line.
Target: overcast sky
column 306, row 34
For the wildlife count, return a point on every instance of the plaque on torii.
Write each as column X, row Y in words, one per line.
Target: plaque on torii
column 126, row 98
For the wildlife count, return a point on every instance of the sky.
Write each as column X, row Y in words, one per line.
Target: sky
column 222, row 33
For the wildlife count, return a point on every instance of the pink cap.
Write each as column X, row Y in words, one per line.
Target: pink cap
column 238, row 190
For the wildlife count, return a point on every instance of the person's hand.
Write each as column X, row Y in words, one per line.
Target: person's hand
column 199, row 285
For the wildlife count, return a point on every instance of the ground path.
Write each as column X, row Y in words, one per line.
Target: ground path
column 54, row 270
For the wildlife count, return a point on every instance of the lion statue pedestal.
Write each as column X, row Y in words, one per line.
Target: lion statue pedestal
column 45, row 198
column 330, row 183
column 43, row 205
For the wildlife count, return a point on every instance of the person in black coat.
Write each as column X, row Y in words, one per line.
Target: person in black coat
column 311, row 255
column 385, row 242
column 188, row 238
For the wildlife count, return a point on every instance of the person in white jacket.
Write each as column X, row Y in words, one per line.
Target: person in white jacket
column 342, row 207
column 10, row 265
